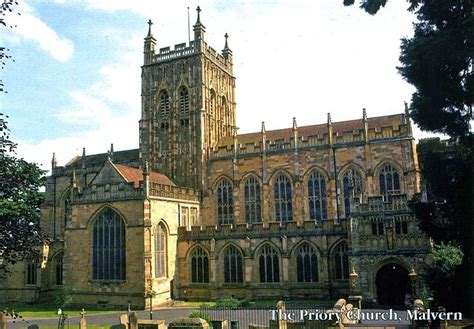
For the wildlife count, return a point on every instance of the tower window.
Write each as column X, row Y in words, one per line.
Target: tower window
column 317, row 197
column 225, row 209
column 253, row 211
column 389, row 180
column 184, row 122
column 377, row 227
column 306, row 264
column 283, row 202
column 269, row 265
column 233, row 266
column 164, row 104
column 108, row 247
column 199, row 266
column 165, row 125
column 352, row 188
column 183, row 100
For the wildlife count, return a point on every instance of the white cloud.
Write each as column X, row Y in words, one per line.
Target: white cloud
column 30, row 27
column 85, row 110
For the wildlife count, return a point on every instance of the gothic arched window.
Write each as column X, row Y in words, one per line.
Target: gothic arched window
column 164, row 104
column 161, row 241
column 352, row 188
column 225, row 209
column 317, row 197
column 233, row 265
column 183, row 100
column 108, row 247
column 283, row 202
column 306, row 264
column 341, row 262
column 269, row 265
column 199, row 266
column 389, row 180
column 58, row 269
column 252, row 200
column 32, row 273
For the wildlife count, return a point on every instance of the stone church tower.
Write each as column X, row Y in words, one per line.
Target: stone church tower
column 188, row 105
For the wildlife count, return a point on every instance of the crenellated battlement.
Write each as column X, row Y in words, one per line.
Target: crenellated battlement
column 173, row 192
column 312, row 136
column 180, row 50
column 261, row 229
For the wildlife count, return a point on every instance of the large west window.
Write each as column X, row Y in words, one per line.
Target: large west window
column 225, row 209
column 108, row 247
column 317, row 197
column 253, row 211
column 269, row 265
column 233, row 265
column 161, row 240
column 306, row 264
column 199, row 266
column 282, row 195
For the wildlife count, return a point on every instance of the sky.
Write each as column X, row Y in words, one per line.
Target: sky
column 75, row 81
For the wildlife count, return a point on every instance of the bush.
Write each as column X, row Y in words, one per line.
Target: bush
column 228, row 303
column 62, row 297
column 201, row 315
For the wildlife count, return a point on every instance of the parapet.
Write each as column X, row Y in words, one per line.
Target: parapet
column 242, row 230
column 396, row 202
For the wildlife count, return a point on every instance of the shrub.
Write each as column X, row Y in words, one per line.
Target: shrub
column 201, row 315
column 62, row 297
column 228, row 303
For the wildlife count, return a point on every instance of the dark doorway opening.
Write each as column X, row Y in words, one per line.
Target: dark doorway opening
column 393, row 285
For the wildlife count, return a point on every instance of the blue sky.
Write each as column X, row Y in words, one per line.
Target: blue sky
column 75, row 81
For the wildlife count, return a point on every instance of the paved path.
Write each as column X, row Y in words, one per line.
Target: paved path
column 245, row 317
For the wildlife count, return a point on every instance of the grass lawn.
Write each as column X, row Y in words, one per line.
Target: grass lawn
column 49, row 310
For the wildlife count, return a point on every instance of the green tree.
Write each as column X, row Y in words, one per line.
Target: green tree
column 438, row 62
column 20, row 200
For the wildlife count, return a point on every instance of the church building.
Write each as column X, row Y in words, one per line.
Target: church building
column 200, row 212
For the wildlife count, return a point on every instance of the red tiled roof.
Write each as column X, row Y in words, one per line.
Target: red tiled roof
column 136, row 175
column 313, row 130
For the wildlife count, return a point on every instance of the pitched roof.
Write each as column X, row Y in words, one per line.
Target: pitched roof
column 124, row 157
column 313, row 130
column 135, row 175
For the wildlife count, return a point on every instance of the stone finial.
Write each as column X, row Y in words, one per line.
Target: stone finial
column 263, row 127
column 150, row 23
column 54, row 162
column 294, row 124
column 198, row 20
column 112, row 148
column 83, row 152
column 226, row 45
column 73, row 178
column 329, row 119
column 364, row 114
column 407, row 118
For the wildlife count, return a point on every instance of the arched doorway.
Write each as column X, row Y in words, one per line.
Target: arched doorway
column 393, row 285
